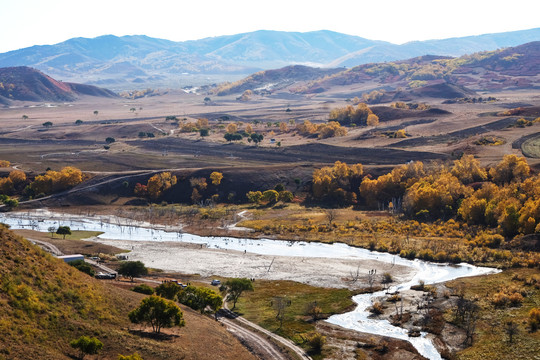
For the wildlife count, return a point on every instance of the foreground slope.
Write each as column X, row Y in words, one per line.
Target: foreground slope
column 45, row 303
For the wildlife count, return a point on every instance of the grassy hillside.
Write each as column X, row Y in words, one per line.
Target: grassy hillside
column 45, row 303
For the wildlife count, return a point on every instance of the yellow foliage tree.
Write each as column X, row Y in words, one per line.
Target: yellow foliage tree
column 232, row 128
column 160, row 183
column 511, row 168
column 216, row 178
column 54, row 181
column 468, row 170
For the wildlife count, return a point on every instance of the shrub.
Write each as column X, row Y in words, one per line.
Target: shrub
column 143, row 289
column 86, row 346
column 377, row 308
column 534, row 319
column 83, row 267
column 316, row 341
column 134, row 356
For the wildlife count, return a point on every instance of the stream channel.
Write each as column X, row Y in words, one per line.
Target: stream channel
column 114, row 228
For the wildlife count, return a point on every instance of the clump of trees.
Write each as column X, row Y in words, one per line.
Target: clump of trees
column 360, row 116
column 156, row 185
column 197, row 126
column 271, row 196
column 15, row 181
column 54, row 181
column 200, row 298
column 337, row 184
column 322, row 131
column 410, row 106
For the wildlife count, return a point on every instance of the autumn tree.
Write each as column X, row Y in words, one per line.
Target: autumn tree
column 351, row 115
column 17, row 177
column 202, row 123
column 53, row 181
column 332, row 129
column 157, row 312
column 270, row 196
column 337, row 183
column 216, row 178
column 231, row 128
column 160, row 183
column 468, row 170
column 249, row 129
column 511, row 168
column 372, row 120
column 435, row 196
column 254, row 196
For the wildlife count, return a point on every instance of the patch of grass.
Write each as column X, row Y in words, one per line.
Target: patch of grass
column 80, row 234
column 491, row 341
column 259, row 306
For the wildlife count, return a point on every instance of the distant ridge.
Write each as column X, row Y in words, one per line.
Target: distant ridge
column 27, row 84
column 425, row 76
column 139, row 61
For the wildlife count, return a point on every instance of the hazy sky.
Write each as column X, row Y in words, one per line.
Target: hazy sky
column 37, row 22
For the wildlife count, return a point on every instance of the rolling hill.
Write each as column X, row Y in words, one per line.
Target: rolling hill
column 438, row 77
column 140, row 61
column 27, row 84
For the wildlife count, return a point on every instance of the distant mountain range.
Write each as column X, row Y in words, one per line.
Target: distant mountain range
column 27, row 84
column 138, row 61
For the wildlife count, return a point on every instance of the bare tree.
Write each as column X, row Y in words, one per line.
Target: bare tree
column 355, row 275
column 280, row 304
column 511, row 329
column 371, row 277
column 331, row 215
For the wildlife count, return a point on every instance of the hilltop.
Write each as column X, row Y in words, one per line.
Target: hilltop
column 141, row 61
column 27, row 84
column 45, row 303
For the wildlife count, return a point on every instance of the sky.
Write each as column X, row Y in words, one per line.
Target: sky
column 40, row 22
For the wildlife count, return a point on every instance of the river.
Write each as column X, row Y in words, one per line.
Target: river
column 114, row 228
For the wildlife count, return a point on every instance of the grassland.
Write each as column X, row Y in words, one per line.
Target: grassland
column 531, row 147
column 260, row 306
column 491, row 341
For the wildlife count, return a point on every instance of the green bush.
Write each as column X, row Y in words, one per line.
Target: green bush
column 143, row 289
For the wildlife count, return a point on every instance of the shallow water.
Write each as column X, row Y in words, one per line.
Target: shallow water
column 125, row 229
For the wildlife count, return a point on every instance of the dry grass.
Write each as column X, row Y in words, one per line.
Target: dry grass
column 45, row 303
column 491, row 342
